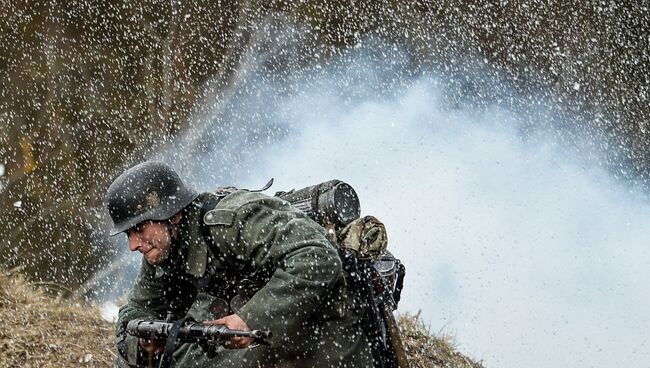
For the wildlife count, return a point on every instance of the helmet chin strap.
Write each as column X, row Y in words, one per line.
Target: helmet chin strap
column 173, row 227
column 170, row 230
column 175, row 254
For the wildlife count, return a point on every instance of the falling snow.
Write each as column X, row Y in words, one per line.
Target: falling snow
column 517, row 132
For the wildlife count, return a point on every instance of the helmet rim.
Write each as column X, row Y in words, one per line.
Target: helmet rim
column 164, row 212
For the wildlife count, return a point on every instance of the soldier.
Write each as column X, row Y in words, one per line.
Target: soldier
column 274, row 265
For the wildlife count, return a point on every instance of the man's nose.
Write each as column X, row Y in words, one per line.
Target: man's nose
column 135, row 242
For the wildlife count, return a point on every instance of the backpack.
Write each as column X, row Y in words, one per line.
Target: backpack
column 375, row 275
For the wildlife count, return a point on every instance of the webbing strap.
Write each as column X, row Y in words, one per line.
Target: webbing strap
column 170, row 346
column 399, row 283
column 365, row 298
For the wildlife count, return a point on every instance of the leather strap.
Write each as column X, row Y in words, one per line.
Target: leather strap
column 170, row 346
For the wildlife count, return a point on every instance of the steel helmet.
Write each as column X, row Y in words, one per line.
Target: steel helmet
column 148, row 191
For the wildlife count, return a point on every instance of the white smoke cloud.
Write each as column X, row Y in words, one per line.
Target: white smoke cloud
column 530, row 254
column 522, row 247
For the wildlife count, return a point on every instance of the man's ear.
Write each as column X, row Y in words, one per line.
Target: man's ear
column 176, row 219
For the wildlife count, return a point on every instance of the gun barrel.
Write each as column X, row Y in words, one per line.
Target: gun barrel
column 221, row 331
column 189, row 331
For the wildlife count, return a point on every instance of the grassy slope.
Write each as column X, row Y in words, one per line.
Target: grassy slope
column 42, row 331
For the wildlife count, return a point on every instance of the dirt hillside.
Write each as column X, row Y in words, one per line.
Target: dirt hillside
column 40, row 330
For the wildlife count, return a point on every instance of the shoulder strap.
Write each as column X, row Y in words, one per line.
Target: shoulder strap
column 210, row 204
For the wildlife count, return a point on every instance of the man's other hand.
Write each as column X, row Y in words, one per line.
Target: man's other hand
column 152, row 346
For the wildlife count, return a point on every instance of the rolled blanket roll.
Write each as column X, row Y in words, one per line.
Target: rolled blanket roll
column 366, row 235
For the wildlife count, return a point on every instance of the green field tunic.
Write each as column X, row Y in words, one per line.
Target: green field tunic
column 302, row 297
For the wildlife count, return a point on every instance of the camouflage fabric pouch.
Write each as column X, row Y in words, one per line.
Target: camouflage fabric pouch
column 366, row 236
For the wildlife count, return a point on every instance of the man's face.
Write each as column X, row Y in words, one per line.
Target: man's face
column 152, row 239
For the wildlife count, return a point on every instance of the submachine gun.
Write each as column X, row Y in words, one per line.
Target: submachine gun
column 376, row 276
column 190, row 331
column 187, row 331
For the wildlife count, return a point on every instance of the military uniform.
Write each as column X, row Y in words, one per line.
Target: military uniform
column 252, row 248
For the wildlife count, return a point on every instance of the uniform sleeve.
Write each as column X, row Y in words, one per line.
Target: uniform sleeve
column 270, row 234
column 152, row 298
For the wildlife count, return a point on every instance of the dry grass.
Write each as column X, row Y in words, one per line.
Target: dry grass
column 426, row 351
column 38, row 330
